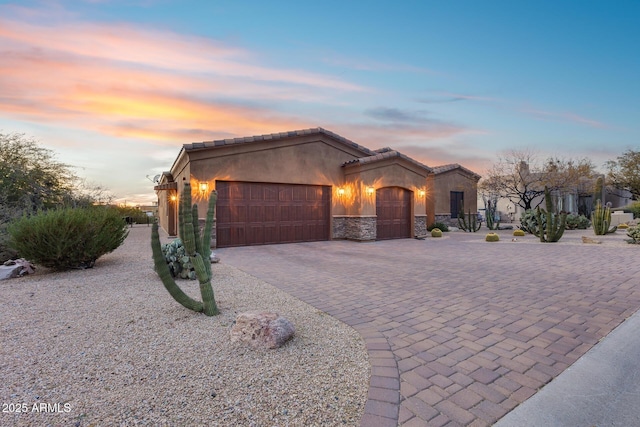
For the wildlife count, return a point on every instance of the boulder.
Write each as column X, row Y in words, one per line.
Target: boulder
column 16, row 268
column 261, row 329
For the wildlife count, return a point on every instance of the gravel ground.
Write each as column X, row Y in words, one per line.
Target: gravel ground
column 109, row 346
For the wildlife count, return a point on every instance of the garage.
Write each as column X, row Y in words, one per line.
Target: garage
column 255, row 213
column 393, row 211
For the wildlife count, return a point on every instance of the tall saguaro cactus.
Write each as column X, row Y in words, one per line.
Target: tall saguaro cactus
column 197, row 246
column 555, row 222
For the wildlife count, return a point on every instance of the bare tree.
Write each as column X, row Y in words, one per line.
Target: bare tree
column 624, row 173
column 520, row 177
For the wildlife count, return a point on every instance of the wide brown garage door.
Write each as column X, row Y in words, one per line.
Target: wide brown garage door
column 253, row 213
column 393, row 209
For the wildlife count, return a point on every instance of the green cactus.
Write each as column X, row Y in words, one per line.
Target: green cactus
column 436, row 232
column 468, row 224
column 634, row 233
column 492, row 237
column 490, row 213
column 554, row 222
column 197, row 248
column 518, row 233
column 598, row 189
column 601, row 219
column 179, row 262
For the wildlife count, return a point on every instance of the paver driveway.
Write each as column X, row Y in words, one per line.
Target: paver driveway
column 459, row 331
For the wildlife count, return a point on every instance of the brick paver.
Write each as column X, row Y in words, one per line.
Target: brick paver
column 459, row 331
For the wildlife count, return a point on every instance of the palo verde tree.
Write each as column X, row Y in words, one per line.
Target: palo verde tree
column 624, row 173
column 521, row 177
column 32, row 180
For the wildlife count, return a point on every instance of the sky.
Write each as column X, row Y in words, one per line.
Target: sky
column 116, row 87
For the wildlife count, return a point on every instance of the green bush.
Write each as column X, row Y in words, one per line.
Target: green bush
column 440, row 225
column 68, row 238
column 136, row 215
column 6, row 253
column 634, row 233
column 633, row 208
column 577, row 222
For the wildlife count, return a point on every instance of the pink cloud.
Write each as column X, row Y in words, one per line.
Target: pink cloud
column 146, row 83
column 563, row 116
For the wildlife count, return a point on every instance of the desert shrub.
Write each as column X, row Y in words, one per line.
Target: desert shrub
column 136, row 215
column 577, row 222
column 442, row 226
column 633, row 208
column 6, row 252
column 634, row 233
column 68, row 238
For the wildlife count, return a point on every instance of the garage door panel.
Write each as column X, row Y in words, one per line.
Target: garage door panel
column 256, row 233
column 271, row 213
column 393, row 211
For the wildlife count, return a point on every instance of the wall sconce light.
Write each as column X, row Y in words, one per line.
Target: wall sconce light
column 173, row 198
column 421, row 193
column 204, row 187
column 340, row 191
column 370, row 191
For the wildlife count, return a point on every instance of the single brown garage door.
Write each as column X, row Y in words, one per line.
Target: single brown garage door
column 393, row 209
column 253, row 213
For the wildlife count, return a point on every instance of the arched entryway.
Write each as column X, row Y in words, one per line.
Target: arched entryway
column 393, row 211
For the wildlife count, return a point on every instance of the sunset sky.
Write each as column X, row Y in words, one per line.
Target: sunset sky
column 115, row 87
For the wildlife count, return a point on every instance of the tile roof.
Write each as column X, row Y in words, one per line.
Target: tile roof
column 386, row 153
column 275, row 136
column 446, row 168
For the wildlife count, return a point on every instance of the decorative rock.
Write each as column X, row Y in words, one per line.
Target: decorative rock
column 586, row 239
column 262, row 329
column 214, row 258
column 16, row 268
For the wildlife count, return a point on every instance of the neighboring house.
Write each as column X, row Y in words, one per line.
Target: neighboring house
column 455, row 190
column 579, row 199
column 297, row 186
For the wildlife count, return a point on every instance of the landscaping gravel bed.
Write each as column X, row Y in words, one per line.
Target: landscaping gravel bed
column 109, row 346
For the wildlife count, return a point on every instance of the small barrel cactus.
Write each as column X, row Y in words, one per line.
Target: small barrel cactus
column 492, row 237
column 436, row 232
column 623, row 226
column 518, row 233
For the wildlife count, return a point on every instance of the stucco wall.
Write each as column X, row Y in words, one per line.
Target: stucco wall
column 454, row 180
column 314, row 160
column 394, row 172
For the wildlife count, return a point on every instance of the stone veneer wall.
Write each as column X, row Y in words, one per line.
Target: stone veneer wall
column 420, row 226
column 354, row 227
column 446, row 219
column 214, row 240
